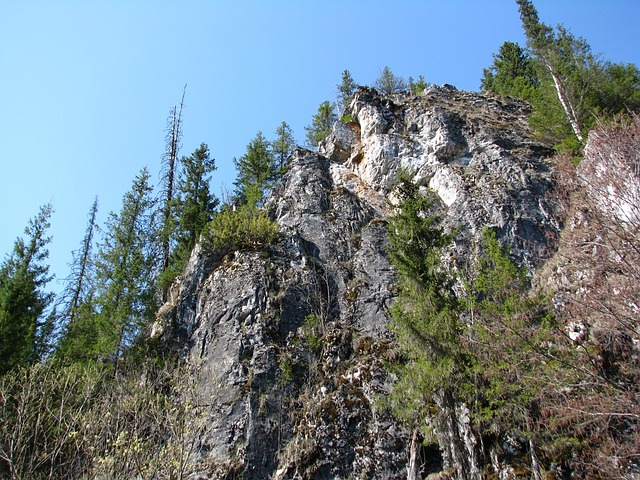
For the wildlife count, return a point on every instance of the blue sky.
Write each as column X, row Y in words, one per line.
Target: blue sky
column 86, row 86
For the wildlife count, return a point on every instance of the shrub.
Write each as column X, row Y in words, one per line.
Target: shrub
column 244, row 228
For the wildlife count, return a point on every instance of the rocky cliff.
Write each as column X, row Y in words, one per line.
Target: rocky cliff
column 292, row 343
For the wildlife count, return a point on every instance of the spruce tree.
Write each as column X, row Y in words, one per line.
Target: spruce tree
column 196, row 203
column 425, row 315
column 23, row 300
column 513, row 73
column 125, row 269
column 257, row 171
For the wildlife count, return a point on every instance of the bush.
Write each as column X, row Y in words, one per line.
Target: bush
column 81, row 421
column 244, row 228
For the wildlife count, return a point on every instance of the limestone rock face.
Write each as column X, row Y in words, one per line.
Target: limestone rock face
column 292, row 343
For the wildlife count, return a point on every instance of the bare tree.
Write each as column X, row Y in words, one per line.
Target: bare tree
column 169, row 166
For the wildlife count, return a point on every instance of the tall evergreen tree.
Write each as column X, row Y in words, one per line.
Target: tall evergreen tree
column 512, row 74
column 196, row 203
column 256, row 172
column 426, row 321
column 77, row 309
column 23, row 277
column 282, row 146
column 321, row 124
column 125, row 271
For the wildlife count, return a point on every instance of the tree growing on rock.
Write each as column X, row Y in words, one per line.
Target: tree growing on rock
column 387, row 83
column 282, row 147
column 321, row 124
column 345, row 90
column 257, row 170
column 417, row 87
column 512, row 74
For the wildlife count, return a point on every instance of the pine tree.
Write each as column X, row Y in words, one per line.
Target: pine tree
column 282, row 147
column 321, row 124
column 387, row 83
column 256, row 172
column 125, row 271
column 566, row 59
column 345, row 90
column 23, row 277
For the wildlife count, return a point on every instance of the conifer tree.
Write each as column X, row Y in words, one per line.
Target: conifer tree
column 512, row 74
column 321, row 124
column 125, row 271
column 387, row 83
column 23, row 277
column 425, row 314
column 196, row 203
column 282, row 146
column 77, row 304
column 567, row 60
column 417, row 87
column 345, row 90
column 256, row 172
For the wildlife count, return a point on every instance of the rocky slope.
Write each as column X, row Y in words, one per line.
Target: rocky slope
column 292, row 343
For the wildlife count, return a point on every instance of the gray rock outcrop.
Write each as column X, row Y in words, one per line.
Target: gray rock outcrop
column 292, row 343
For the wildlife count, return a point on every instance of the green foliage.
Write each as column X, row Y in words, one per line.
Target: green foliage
column 345, row 90
column 417, row 87
column 312, row 330
column 512, row 74
column 505, row 331
column 192, row 209
column 282, row 147
column 347, row 118
column 23, row 277
column 243, row 228
column 574, row 83
column 287, row 370
column 425, row 314
column 125, row 272
column 77, row 420
column 257, row 170
column 321, row 124
column 77, row 300
column 387, row 83
column 495, row 362
column 195, row 203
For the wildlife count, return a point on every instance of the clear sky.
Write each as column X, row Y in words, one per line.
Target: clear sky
column 86, row 86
